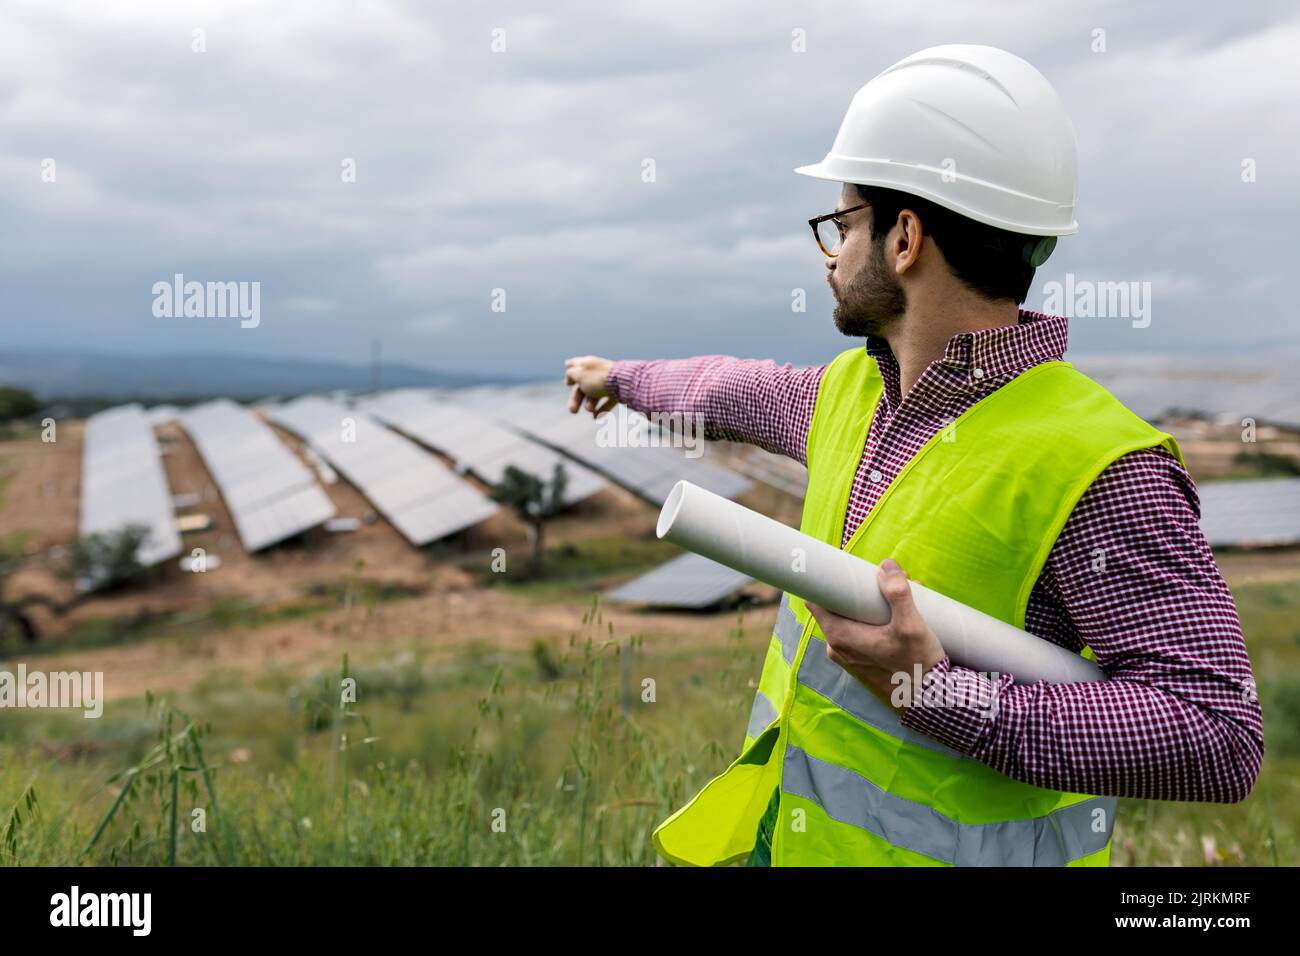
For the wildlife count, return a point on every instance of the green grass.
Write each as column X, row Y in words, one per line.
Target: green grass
column 567, row 756
column 1266, row 464
column 553, row 745
column 13, row 545
column 578, row 570
column 223, row 614
column 6, row 474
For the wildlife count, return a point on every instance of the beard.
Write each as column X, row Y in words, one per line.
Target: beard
column 872, row 301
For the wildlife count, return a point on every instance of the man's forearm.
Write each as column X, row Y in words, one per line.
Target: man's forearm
column 745, row 400
column 1048, row 735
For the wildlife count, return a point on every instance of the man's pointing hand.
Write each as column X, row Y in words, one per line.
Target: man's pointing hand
column 587, row 374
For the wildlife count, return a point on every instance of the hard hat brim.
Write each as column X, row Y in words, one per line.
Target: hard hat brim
column 815, row 170
column 831, row 170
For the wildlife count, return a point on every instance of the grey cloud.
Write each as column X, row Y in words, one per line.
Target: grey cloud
column 522, row 170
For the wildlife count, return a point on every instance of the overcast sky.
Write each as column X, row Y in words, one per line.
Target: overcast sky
column 522, row 170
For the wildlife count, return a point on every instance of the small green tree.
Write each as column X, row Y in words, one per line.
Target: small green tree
column 107, row 559
column 534, row 500
column 16, row 622
column 16, row 403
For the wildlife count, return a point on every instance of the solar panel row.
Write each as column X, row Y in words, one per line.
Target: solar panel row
column 1236, row 387
column 689, row 581
column 776, row 470
column 271, row 495
column 629, row 449
column 1251, row 513
column 419, row 495
column 123, row 483
column 476, row 442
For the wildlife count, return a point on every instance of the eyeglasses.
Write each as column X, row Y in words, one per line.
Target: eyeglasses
column 829, row 231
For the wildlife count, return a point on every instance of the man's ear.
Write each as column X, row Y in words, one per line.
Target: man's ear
column 908, row 240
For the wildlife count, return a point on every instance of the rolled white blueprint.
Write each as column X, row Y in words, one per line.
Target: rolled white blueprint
column 754, row 544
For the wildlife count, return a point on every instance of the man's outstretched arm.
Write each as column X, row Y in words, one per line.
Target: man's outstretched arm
column 746, row 400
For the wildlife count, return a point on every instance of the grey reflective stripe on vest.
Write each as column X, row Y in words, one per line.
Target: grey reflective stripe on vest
column 762, row 714
column 1058, row 838
column 788, row 630
column 818, row 672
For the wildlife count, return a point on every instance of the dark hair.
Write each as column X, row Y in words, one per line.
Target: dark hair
column 989, row 260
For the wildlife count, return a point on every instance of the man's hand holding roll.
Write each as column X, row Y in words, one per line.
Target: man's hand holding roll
column 874, row 653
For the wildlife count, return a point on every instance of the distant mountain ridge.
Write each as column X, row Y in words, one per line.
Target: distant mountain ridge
column 70, row 374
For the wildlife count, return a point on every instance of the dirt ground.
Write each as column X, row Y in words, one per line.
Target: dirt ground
column 1212, row 449
column 439, row 624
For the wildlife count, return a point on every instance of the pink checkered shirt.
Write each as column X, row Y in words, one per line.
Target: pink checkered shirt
column 1178, row 719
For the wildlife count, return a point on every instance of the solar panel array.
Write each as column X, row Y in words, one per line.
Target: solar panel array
column 476, row 442
column 689, row 581
column 424, row 499
column 123, row 483
column 1251, row 513
column 270, row 494
column 1234, row 387
column 777, row 471
column 640, row 457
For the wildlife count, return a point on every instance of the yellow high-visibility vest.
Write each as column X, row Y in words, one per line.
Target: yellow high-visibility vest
column 974, row 514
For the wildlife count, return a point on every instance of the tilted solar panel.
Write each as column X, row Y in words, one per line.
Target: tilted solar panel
column 421, row 497
column 628, row 449
column 123, row 483
column 476, row 442
column 270, row 494
column 1251, row 513
column 688, row 581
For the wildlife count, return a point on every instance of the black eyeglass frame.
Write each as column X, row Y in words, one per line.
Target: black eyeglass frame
column 833, row 217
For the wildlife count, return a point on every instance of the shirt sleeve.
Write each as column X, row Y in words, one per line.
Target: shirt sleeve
column 1178, row 718
column 743, row 400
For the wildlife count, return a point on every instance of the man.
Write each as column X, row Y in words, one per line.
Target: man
column 959, row 445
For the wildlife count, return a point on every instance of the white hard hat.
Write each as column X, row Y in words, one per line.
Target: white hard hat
column 975, row 129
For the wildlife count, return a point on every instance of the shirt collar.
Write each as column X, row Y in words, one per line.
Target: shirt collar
column 996, row 353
